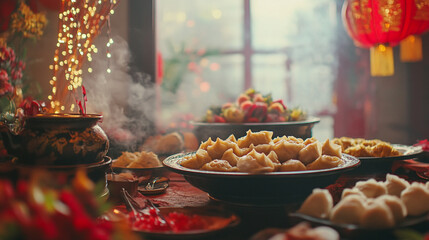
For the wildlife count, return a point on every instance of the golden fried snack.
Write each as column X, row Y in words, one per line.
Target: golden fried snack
column 360, row 147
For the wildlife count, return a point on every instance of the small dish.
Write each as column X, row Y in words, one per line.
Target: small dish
column 157, row 186
column 384, row 164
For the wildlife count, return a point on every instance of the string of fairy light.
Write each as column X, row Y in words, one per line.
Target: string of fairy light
column 80, row 22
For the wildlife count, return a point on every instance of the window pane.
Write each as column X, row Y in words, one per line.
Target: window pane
column 278, row 24
column 215, row 80
column 199, row 24
column 269, row 75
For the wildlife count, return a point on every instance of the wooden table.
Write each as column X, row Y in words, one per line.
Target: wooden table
column 256, row 218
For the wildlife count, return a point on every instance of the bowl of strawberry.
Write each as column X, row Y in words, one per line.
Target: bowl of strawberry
column 256, row 112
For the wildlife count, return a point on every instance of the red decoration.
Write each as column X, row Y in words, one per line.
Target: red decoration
column 416, row 24
column 6, row 9
column 378, row 25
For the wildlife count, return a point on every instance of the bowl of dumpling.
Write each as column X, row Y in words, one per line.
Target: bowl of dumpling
column 261, row 169
column 300, row 129
column 141, row 163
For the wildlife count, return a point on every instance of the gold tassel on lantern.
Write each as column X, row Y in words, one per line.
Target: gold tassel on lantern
column 381, row 60
column 411, row 49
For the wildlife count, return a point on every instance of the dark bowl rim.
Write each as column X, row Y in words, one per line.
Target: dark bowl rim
column 172, row 164
column 68, row 116
column 310, row 120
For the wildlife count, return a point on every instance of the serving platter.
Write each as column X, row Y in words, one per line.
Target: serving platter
column 259, row 188
column 384, row 164
column 355, row 231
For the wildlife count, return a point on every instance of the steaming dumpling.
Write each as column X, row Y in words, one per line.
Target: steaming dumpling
column 196, row 161
column 371, row 188
column 229, row 156
column 331, row 149
column 318, row 204
column 292, row 165
column 396, row 206
column 262, row 137
column 286, row 150
column 255, row 162
column 231, row 138
column 349, row 210
column 207, row 143
column 352, row 191
column 395, row 185
column 377, row 215
column 219, row 166
column 217, row 149
column 416, row 198
column 262, row 148
column 310, row 152
column 324, row 162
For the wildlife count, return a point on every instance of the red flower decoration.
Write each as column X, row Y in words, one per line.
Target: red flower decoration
column 5, row 86
column 30, row 106
column 424, row 144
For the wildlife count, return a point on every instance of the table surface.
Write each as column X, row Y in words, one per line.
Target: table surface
column 254, row 219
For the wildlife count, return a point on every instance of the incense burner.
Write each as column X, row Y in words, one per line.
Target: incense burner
column 57, row 139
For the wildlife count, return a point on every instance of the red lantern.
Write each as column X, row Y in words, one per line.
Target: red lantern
column 417, row 23
column 378, row 25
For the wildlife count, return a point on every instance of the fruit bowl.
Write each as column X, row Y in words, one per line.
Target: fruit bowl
column 300, row 129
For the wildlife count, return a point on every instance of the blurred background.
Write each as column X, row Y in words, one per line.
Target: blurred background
column 172, row 60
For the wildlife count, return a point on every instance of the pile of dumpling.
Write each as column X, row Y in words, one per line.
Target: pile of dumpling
column 258, row 152
column 371, row 203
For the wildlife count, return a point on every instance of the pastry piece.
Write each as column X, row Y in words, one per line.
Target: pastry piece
column 219, row 166
column 206, row 144
column 416, row 198
column 262, row 137
column 310, row 152
column 396, row 206
column 349, row 210
column 217, row 149
column 197, row 160
column 377, row 215
column 395, row 185
column 331, row 149
column 229, row 156
column 255, row 162
column 318, row 204
column 292, row 165
column 371, row 188
column 286, row 150
column 262, row 148
column 324, row 162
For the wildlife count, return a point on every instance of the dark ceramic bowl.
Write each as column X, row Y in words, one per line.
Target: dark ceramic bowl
column 262, row 188
column 301, row 129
